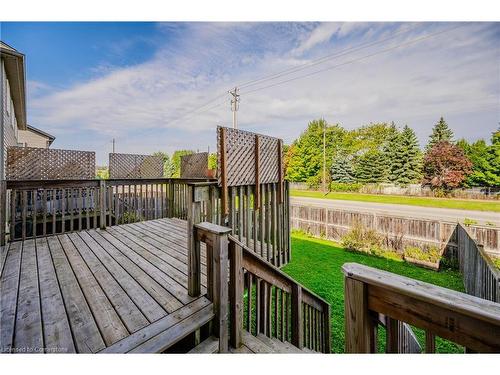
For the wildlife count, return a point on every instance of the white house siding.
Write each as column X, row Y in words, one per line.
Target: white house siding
column 9, row 121
column 31, row 139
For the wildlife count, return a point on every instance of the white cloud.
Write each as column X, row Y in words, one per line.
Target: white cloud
column 454, row 73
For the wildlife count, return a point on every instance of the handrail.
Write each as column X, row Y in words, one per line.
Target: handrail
column 284, row 309
column 466, row 320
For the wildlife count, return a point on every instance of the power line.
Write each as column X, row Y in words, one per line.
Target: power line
column 324, row 59
column 353, row 60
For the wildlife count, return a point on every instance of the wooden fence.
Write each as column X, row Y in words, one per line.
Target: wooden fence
column 334, row 223
column 371, row 294
column 481, row 276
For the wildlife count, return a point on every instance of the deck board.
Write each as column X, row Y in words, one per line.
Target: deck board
column 110, row 325
column 113, row 290
column 28, row 330
column 8, row 295
column 56, row 330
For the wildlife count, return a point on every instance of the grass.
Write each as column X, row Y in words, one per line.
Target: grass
column 317, row 265
column 462, row 204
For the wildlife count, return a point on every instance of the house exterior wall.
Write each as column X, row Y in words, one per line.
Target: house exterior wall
column 28, row 138
column 9, row 121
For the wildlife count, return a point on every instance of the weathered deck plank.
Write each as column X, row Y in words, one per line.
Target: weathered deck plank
column 143, row 300
column 8, row 295
column 56, row 331
column 87, row 336
column 159, row 293
column 107, row 319
column 120, row 289
column 150, row 267
column 28, row 336
column 128, row 311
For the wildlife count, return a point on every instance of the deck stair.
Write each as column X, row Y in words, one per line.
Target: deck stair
column 166, row 332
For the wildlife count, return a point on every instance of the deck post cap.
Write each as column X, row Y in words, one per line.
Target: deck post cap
column 213, row 228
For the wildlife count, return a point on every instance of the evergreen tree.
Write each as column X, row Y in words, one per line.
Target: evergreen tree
column 370, row 167
column 389, row 149
column 407, row 158
column 440, row 133
column 342, row 169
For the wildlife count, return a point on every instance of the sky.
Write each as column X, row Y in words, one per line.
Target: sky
column 164, row 86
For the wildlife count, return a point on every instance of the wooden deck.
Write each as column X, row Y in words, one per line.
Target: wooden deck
column 123, row 289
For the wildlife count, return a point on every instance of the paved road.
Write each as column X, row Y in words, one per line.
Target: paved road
column 446, row 214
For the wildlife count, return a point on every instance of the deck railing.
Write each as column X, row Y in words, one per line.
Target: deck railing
column 40, row 208
column 262, row 299
column 372, row 295
column 481, row 276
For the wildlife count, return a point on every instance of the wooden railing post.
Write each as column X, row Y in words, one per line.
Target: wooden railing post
column 216, row 239
column 102, row 202
column 194, row 260
column 359, row 327
column 3, row 211
column 327, row 330
column 297, row 321
column 236, row 292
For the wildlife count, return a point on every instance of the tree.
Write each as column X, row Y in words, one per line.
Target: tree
column 405, row 158
column 167, row 165
column 494, row 157
column 389, row 149
column 483, row 170
column 446, row 166
column 440, row 133
column 343, row 169
column 370, row 167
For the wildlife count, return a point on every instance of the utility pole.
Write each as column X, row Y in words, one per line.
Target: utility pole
column 235, row 105
column 113, row 141
column 324, row 157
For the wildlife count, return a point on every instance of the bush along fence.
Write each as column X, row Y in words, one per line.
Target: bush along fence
column 398, row 232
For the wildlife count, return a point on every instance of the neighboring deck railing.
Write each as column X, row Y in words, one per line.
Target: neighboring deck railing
column 40, row 208
column 262, row 299
column 481, row 276
column 370, row 293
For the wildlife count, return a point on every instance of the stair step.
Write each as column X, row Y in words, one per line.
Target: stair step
column 160, row 335
column 309, row 351
column 254, row 344
column 209, row 346
column 278, row 346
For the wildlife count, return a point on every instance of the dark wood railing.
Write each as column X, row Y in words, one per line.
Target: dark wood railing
column 372, row 295
column 481, row 276
column 264, row 300
column 40, row 208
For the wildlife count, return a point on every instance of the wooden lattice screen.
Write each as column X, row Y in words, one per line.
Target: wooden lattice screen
column 135, row 166
column 27, row 163
column 245, row 158
column 194, row 165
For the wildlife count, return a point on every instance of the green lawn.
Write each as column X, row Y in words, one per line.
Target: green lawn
column 317, row 265
column 463, row 204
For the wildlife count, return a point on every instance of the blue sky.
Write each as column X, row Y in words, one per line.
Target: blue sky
column 140, row 82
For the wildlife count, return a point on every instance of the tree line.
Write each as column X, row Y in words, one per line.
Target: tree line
column 382, row 152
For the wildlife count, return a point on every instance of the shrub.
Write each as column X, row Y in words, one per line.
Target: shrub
column 314, row 182
column 129, row 217
column 345, row 187
column 468, row 222
column 367, row 241
column 430, row 254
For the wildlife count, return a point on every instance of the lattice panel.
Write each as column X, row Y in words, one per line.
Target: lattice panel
column 27, row 163
column 194, row 165
column 241, row 158
column 135, row 166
